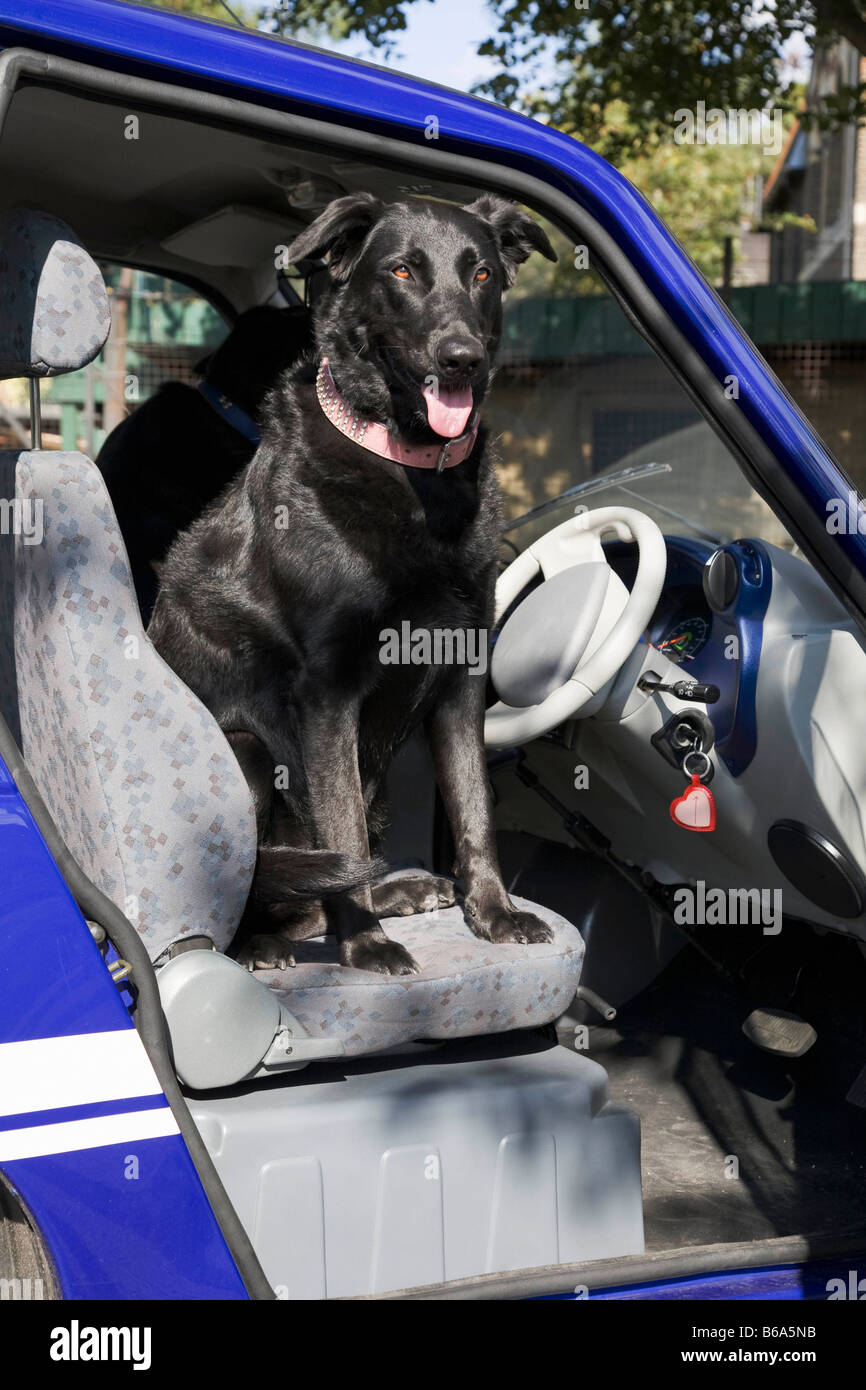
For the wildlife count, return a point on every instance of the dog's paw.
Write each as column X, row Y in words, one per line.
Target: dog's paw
column 402, row 897
column 382, row 956
column 266, row 953
column 509, row 923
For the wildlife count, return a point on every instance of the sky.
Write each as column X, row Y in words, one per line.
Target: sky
column 439, row 43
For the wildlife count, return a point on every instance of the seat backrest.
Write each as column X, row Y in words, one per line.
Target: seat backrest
column 54, row 318
column 136, row 772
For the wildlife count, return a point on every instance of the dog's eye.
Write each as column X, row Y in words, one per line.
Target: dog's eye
column 402, row 272
column 482, row 275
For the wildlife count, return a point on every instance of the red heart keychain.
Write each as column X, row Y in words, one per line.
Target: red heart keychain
column 696, row 808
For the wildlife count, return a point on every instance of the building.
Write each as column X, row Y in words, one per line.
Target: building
column 820, row 176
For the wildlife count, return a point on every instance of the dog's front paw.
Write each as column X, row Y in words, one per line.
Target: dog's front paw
column 261, row 952
column 402, row 897
column 378, row 954
column 507, row 923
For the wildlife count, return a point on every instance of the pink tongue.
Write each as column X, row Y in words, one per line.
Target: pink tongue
column 448, row 412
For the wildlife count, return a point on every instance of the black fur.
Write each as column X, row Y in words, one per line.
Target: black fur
column 168, row 460
column 278, row 629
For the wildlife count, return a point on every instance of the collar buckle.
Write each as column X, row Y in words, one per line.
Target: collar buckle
column 445, row 451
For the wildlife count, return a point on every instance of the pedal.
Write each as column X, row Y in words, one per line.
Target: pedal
column 782, row 1033
column 857, row 1094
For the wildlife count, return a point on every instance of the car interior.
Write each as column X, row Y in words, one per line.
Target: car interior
column 685, row 1063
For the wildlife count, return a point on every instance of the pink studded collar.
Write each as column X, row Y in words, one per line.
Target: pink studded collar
column 376, row 438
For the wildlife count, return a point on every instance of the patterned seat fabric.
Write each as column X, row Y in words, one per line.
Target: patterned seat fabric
column 136, row 772
column 465, row 987
column 54, row 313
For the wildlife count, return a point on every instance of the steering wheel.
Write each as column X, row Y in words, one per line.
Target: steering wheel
column 572, row 633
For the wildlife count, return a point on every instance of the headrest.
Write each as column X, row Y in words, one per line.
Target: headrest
column 54, row 314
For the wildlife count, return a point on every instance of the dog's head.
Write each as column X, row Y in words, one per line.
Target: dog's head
column 413, row 322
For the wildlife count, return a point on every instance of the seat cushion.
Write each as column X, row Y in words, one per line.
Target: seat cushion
column 465, row 987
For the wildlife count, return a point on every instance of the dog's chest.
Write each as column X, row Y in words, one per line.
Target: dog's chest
column 432, row 622
column 435, row 586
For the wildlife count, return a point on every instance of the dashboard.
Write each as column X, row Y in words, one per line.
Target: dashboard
column 758, row 623
column 713, row 630
column 683, row 638
column 785, row 735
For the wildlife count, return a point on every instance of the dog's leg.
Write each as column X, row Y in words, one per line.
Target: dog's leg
column 409, row 894
column 330, row 738
column 258, row 769
column 456, row 732
column 263, row 943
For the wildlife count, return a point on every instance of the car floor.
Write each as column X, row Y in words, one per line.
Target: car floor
column 738, row 1144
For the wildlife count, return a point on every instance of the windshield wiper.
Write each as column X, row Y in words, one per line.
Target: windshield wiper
column 677, row 516
column 643, row 470
column 625, row 475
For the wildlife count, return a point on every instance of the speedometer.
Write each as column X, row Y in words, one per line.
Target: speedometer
column 684, row 639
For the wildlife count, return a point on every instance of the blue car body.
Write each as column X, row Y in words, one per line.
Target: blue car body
column 130, row 1218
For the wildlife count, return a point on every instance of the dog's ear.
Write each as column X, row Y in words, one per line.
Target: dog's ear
column 338, row 234
column 517, row 235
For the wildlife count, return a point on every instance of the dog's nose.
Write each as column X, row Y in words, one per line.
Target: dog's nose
column 459, row 356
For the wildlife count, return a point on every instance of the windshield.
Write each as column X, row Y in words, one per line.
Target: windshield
column 686, row 481
column 584, row 413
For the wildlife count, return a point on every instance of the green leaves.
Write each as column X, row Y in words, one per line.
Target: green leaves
column 655, row 56
column 377, row 21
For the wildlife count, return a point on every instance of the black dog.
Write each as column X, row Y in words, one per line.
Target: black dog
column 174, row 455
column 273, row 605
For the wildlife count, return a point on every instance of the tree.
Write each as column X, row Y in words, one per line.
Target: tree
column 378, row 21
column 700, row 192
column 232, row 12
column 656, row 56
column 566, row 60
